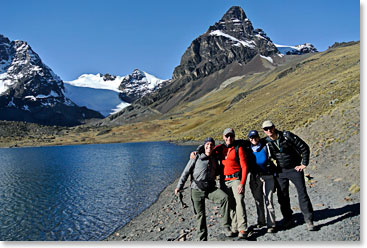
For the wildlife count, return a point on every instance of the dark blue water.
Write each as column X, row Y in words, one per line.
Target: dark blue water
column 82, row 192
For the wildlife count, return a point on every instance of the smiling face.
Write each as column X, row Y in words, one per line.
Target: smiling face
column 208, row 148
column 228, row 139
column 270, row 132
column 254, row 140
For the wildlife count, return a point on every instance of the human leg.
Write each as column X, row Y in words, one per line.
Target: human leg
column 297, row 178
column 283, row 195
column 268, row 189
column 231, row 206
column 256, row 187
column 198, row 199
column 240, row 213
column 218, row 196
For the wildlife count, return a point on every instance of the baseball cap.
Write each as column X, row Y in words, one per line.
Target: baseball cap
column 253, row 133
column 228, row 131
column 267, row 124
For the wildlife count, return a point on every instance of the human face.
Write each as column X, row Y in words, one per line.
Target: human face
column 254, row 140
column 270, row 131
column 208, row 148
column 228, row 139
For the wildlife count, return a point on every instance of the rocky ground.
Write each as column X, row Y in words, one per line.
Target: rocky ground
column 333, row 186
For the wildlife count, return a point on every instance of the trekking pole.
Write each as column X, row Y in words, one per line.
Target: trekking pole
column 180, row 197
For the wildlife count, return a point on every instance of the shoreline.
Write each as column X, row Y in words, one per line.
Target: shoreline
column 176, row 142
column 335, row 202
column 165, row 220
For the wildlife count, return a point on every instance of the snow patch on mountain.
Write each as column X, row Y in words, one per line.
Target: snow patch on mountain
column 299, row 49
column 97, row 81
column 104, row 93
column 267, row 58
column 250, row 44
column 105, row 101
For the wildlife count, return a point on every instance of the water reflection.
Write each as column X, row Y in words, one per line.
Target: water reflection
column 81, row 192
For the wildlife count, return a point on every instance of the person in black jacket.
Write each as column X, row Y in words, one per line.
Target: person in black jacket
column 292, row 156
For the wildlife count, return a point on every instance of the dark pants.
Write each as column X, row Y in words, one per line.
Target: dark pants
column 198, row 199
column 297, row 178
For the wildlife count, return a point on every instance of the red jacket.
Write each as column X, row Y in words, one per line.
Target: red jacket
column 229, row 162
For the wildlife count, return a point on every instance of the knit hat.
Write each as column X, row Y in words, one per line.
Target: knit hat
column 209, row 139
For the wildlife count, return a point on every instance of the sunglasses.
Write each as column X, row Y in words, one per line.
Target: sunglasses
column 229, row 135
column 267, row 128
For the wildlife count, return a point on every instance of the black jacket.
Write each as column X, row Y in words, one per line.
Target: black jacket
column 292, row 150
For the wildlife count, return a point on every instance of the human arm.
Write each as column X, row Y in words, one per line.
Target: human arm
column 243, row 164
column 185, row 174
column 302, row 148
column 199, row 150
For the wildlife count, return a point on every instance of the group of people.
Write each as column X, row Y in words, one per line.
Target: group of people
column 219, row 173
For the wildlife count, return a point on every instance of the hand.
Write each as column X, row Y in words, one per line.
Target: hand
column 300, row 167
column 240, row 189
column 193, row 155
column 176, row 191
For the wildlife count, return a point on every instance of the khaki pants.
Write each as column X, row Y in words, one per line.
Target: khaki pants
column 262, row 188
column 237, row 207
column 198, row 200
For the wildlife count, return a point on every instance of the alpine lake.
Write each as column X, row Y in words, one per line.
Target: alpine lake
column 82, row 192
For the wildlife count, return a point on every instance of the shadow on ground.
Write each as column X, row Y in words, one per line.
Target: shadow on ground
column 342, row 213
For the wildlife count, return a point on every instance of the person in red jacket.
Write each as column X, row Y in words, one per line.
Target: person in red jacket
column 234, row 174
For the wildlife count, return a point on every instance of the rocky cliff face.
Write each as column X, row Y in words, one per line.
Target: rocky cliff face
column 231, row 39
column 138, row 84
column 220, row 53
column 30, row 91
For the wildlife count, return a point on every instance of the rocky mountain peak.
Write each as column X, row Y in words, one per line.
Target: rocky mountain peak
column 138, row 84
column 137, row 75
column 108, row 77
column 234, row 13
column 233, row 38
column 31, row 91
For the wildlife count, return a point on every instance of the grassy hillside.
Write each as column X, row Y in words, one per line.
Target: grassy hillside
column 295, row 94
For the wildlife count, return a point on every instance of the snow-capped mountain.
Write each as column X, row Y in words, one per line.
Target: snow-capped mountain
column 109, row 94
column 296, row 50
column 231, row 39
column 138, row 84
column 31, row 91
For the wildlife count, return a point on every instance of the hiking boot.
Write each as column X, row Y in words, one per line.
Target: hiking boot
column 288, row 223
column 227, row 232
column 242, row 234
column 271, row 230
column 259, row 225
column 310, row 226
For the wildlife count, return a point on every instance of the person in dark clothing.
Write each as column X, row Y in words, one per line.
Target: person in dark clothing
column 292, row 156
column 203, row 170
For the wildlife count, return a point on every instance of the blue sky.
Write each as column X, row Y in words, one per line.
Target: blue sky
column 116, row 36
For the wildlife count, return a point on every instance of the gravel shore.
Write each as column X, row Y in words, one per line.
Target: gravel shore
column 333, row 186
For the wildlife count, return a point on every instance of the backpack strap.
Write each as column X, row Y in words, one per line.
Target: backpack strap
column 193, row 167
column 236, row 148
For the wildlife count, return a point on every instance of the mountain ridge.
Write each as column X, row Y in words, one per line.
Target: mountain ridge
column 30, row 91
